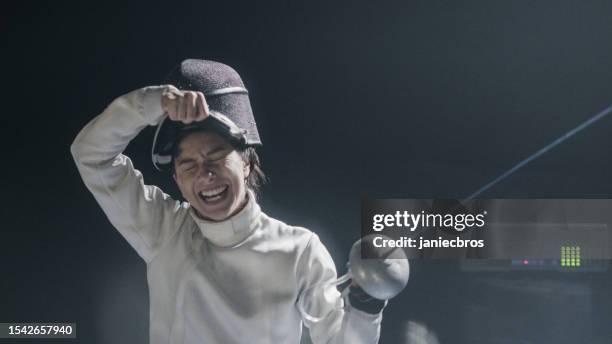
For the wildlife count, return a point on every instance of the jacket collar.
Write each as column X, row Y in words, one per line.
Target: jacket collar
column 234, row 230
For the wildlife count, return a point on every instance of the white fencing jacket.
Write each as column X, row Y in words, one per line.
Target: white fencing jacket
column 234, row 281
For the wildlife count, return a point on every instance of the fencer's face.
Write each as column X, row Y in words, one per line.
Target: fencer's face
column 211, row 175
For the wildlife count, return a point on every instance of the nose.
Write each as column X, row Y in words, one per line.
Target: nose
column 207, row 172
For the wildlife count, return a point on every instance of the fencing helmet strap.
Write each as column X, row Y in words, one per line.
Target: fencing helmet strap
column 228, row 101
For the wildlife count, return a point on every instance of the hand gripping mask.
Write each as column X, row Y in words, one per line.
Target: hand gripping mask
column 228, row 101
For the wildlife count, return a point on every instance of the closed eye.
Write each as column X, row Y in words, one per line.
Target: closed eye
column 187, row 164
column 218, row 156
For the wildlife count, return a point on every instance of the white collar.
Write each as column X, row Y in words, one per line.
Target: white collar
column 234, row 230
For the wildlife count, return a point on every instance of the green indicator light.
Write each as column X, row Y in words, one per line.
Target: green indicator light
column 570, row 256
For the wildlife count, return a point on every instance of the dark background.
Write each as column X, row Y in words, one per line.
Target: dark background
column 404, row 99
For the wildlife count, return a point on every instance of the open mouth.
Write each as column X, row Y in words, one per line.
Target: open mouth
column 213, row 195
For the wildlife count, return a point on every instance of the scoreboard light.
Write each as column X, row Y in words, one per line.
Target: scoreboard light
column 570, row 256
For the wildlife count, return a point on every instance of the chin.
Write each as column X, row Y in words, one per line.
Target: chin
column 217, row 215
column 218, row 212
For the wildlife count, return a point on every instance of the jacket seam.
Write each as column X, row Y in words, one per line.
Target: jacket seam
column 300, row 263
column 170, row 238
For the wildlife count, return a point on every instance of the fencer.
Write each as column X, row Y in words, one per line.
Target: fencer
column 219, row 269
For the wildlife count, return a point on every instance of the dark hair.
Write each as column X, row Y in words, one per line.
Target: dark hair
column 256, row 177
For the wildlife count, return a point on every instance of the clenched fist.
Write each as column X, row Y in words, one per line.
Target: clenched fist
column 184, row 106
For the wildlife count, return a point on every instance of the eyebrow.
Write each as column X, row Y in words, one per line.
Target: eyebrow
column 182, row 161
column 216, row 150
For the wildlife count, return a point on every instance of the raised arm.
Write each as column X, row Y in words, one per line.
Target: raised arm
column 143, row 214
